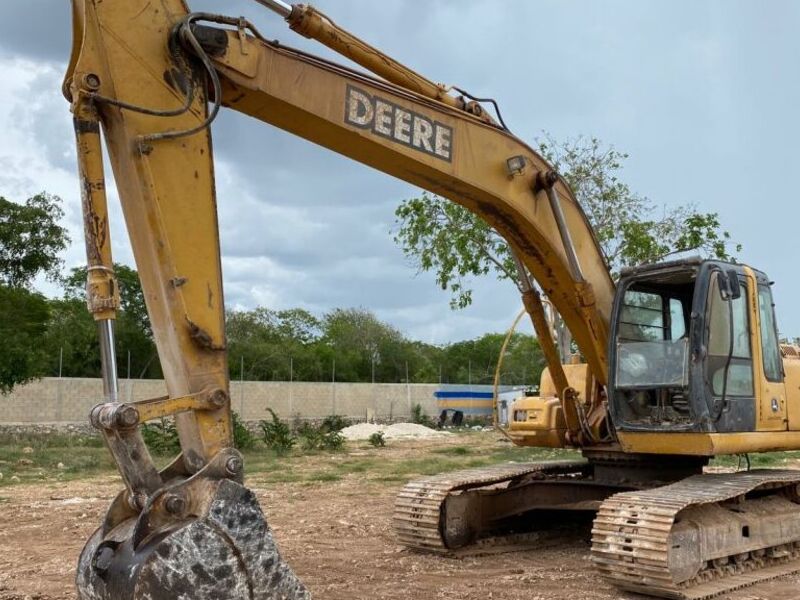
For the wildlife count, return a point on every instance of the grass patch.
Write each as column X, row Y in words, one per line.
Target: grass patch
column 86, row 456
column 53, row 440
column 767, row 459
column 511, row 453
column 36, row 459
column 453, row 451
column 323, row 476
column 380, row 466
column 391, row 478
column 355, row 466
column 283, row 475
column 41, row 462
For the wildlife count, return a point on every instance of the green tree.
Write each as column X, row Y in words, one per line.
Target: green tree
column 72, row 337
column 359, row 341
column 475, row 361
column 30, row 242
column 631, row 228
column 457, row 245
column 275, row 345
column 31, row 239
column 22, row 328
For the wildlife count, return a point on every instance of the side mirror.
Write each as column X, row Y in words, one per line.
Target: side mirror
column 734, row 284
column 724, row 285
column 730, row 287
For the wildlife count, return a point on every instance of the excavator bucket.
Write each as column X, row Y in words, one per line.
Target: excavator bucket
column 207, row 539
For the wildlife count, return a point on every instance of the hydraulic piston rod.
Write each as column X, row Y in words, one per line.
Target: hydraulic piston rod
column 282, row 8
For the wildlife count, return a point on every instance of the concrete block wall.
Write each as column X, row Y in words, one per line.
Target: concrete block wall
column 69, row 400
column 251, row 399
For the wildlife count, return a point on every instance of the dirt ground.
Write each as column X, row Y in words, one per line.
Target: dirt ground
column 336, row 534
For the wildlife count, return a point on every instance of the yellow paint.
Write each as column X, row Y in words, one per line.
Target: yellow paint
column 307, row 98
column 158, row 408
column 465, row 403
column 166, row 189
column 709, row 444
column 766, row 391
column 791, row 367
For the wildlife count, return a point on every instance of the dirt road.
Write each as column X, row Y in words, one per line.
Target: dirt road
column 337, row 536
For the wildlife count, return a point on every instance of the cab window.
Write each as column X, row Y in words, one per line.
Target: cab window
column 729, row 334
column 642, row 317
column 652, row 340
column 773, row 366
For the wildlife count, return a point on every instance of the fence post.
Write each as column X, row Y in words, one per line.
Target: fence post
column 373, row 391
column 129, row 393
column 333, row 388
column 241, row 387
column 291, row 385
column 59, row 396
column 408, row 391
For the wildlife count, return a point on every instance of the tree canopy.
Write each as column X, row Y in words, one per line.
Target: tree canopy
column 31, row 239
column 22, row 328
column 353, row 344
column 344, row 344
column 30, row 242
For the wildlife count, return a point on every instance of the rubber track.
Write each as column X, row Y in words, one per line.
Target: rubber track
column 419, row 506
column 630, row 535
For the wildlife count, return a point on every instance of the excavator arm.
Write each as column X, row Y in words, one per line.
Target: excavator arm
column 152, row 76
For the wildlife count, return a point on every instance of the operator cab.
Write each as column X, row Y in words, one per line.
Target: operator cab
column 683, row 340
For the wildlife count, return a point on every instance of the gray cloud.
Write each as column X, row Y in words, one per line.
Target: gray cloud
column 36, row 29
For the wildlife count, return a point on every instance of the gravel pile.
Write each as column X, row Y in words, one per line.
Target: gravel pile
column 362, row 431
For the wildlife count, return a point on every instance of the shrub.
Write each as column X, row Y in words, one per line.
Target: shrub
column 333, row 441
column 297, row 422
column 377, row 439
column 334, row 423
column 309, row 436
column 320, row 438
column 161, row 436
column 277, row 435
column 243, row 438
column 419, row 417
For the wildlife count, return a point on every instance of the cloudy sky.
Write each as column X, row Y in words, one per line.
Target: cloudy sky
column 703, row 95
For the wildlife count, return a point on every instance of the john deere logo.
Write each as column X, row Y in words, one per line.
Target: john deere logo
column 398, row 124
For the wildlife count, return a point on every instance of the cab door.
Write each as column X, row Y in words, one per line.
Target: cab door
column 772, row 413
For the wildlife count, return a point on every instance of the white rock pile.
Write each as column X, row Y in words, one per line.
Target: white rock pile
column 362, row 431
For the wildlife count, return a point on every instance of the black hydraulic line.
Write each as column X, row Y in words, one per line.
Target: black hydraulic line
column 491, row 101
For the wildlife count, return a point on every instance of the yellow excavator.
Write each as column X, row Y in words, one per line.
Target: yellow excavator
column 682, row 359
